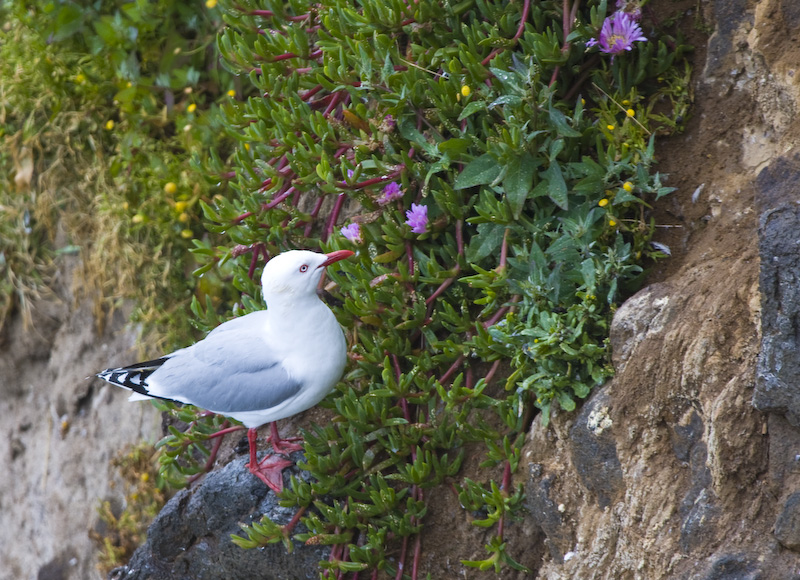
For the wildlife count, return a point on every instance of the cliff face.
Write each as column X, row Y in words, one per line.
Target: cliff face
column 685, row 465
column 60, row 431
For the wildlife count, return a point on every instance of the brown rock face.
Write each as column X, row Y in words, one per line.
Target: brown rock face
column 686, row 464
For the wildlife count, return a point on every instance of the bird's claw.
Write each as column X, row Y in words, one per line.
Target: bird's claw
column 270, row 471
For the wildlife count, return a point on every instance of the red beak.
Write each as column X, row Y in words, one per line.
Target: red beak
column 335, row 257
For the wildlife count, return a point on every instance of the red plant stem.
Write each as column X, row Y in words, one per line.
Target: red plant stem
column 222, row 432
column 371, row 181
column 444, row 285
column 396, row 366
column 401, row 560
column 239, row 219
column 289, row 55
column 212, row 457
column 253, row 263
column 503, row 251
column 460, row 237
column 295, row 518
column 504, row 486
column 278, row 199
column 410, row 257
column 336, row 97
column 490, row 375
column 567, row 18
column 453, row 368
column 310, row 93
column 526, row 6
column 337, row 208
column 501, row 312
column 314, row 213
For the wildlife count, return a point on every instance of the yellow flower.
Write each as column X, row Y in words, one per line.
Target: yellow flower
column 626, row 102
column 125, row 205
column 603, row 202
column 80, row 78
column 184, row 218
column 138, row 218
column 465, row 91
column 612, row 223
column 186, row 234
column 247, row 146
column 610, row 127
column 109, row 124
column 231, row 93
column 630, row 112
column 627, row 186
column 180, row 206
column 170, row 188
column 191, row 108
column 211, row 4
column 145, row 477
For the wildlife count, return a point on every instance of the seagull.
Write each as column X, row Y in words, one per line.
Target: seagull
column 258, row 368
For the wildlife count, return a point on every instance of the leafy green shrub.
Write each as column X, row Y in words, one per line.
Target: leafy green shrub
column 493, row 174
column 117, row 98
column 494, row 177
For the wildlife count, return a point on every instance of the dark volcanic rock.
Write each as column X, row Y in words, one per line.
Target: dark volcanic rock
column 191, row 537
column 779, row 221
column 787, row 528
column 594, row 451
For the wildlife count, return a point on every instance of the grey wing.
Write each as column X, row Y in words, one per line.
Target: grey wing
column 229, row 371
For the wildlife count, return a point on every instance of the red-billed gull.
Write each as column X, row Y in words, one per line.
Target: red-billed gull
column 257, row 368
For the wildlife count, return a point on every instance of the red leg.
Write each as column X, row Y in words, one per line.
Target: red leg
column 282, row 445
column 270, row 469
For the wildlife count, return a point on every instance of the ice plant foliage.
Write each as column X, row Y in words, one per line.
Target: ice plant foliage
column 459, row 332
column 618, row 34
column 417, row 218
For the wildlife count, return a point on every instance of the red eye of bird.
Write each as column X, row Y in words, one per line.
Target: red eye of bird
column 304, row 268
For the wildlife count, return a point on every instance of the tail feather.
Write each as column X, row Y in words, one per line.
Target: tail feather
column 133, row 377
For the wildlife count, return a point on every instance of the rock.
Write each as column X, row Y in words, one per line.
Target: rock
column 594, row 451
column 733, row 567
column 787, row 527
column 191, row 536
column 779, row 222
column 546, row 513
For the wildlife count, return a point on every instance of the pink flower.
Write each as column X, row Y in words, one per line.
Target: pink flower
column 417, row 218
column 619, row 32
column 352, row 233
column 390, row 193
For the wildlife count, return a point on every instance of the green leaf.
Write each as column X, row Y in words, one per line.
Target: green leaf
column 487, row 241
column 556, row 186
column 481, row 171
column 518, row 182
column 559, row 119
column 472, row 107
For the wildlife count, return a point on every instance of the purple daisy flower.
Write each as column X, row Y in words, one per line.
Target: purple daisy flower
column 390, row 193
column 619, row 32
column 417, row 218
column 352, row 233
